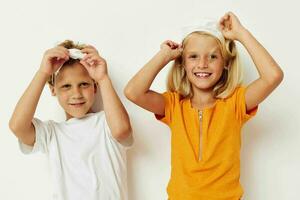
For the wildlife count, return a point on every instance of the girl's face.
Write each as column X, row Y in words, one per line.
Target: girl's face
column 75, row 90
column 203, row 61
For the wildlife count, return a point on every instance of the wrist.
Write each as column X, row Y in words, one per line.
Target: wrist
column 43, row 73
column 104, row 79
column 164, row 55
column 243, row 35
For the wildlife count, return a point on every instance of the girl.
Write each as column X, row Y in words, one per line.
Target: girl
column 206, row 106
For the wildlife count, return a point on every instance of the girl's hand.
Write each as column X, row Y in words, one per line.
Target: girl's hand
column 231, row 27
column 171, row 49
column 94, row 63
column 53, row 59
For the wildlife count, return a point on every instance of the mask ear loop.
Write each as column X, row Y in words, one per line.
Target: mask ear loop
column 52, row 79
column 54, row 75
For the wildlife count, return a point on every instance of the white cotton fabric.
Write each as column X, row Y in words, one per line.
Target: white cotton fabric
column 86, row 162
column 207, row 25
column 76, row 54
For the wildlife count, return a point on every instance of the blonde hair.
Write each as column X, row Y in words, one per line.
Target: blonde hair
column 230, row 79
column 68, row 44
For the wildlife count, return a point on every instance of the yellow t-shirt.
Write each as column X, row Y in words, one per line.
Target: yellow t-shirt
column 215, row 174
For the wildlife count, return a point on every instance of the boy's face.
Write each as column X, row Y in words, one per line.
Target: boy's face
column 75, row 90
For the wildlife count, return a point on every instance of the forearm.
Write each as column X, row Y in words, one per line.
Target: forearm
column 269, row 71
column 116, row 115
column 26, row 106
column 141, row 82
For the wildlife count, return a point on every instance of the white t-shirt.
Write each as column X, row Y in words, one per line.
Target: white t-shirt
column 86, row 162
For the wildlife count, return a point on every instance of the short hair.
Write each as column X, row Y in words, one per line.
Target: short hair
column 230, row 79
column 68, row 44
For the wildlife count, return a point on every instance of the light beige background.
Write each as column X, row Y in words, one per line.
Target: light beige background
column 128, row 33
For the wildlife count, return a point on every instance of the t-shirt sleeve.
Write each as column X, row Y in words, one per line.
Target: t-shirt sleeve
column 127, row 143
column 240, row 106
column 43, row 133
column 170, row 98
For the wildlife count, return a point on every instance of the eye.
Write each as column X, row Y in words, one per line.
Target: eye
column 84, row 84
column 213, row 56
column 193, row 56
column 66, row 86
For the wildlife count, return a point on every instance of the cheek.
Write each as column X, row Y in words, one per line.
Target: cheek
column 219, row 66
column 89, row 93
column 188, row 66
column 62, row 97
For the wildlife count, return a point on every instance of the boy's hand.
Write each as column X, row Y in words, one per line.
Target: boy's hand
column 53, row 59
column 171, row 49
column 94, row 63
column 231, row 27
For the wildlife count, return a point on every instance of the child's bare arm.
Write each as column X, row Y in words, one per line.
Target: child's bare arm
column 21, row 120
column 138, row 88
column 270, row 74
column 116, row 114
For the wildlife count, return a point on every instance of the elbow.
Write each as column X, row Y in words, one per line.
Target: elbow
column 13, row 126
column 130, row 94
column 275, row 78
column 279, row 76
column 18, row 128
column 123, row 133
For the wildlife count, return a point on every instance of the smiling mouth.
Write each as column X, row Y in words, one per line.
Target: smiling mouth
column 202, row 74
column 77, row 104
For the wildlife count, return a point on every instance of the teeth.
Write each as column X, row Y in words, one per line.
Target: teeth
column 76, row 103
column 202, row 74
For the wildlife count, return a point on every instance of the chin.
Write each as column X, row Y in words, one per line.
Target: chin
column 76, row 115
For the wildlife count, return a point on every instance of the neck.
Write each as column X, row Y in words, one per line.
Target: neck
column 202, row 98
column 68, row 116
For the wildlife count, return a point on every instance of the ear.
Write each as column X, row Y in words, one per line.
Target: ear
column 227, row 65
column 95, row 87
column 52, row 89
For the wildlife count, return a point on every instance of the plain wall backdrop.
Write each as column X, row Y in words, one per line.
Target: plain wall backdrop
column 127, row 34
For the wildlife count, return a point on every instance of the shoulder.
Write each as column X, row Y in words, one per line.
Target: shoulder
column 238, row 92
column 172, row 97
column 48, row 123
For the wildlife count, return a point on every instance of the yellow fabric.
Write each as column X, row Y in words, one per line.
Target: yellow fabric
column 216, row 175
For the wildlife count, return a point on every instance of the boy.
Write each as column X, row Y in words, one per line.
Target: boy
column 87, row 152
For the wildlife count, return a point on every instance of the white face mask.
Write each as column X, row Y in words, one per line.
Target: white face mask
column 206, row 25
column 76, row 54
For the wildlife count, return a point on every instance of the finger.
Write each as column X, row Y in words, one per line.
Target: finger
column 173, row 45
column 93, row 57
column 227, row 15
column 168, row 43
column 62, row 49
column 231, row 14
column 89, row 49
column 58, row 56
column 61, row 53
column 95, row 60
column 221, row 23
column 85, row 64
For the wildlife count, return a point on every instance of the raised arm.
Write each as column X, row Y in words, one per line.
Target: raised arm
column 138, row 88
column 270, row 74
column 21, row 120
column 115, row 113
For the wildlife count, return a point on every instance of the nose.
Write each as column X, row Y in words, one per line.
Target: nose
column 76, row 93
column 202, row 63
